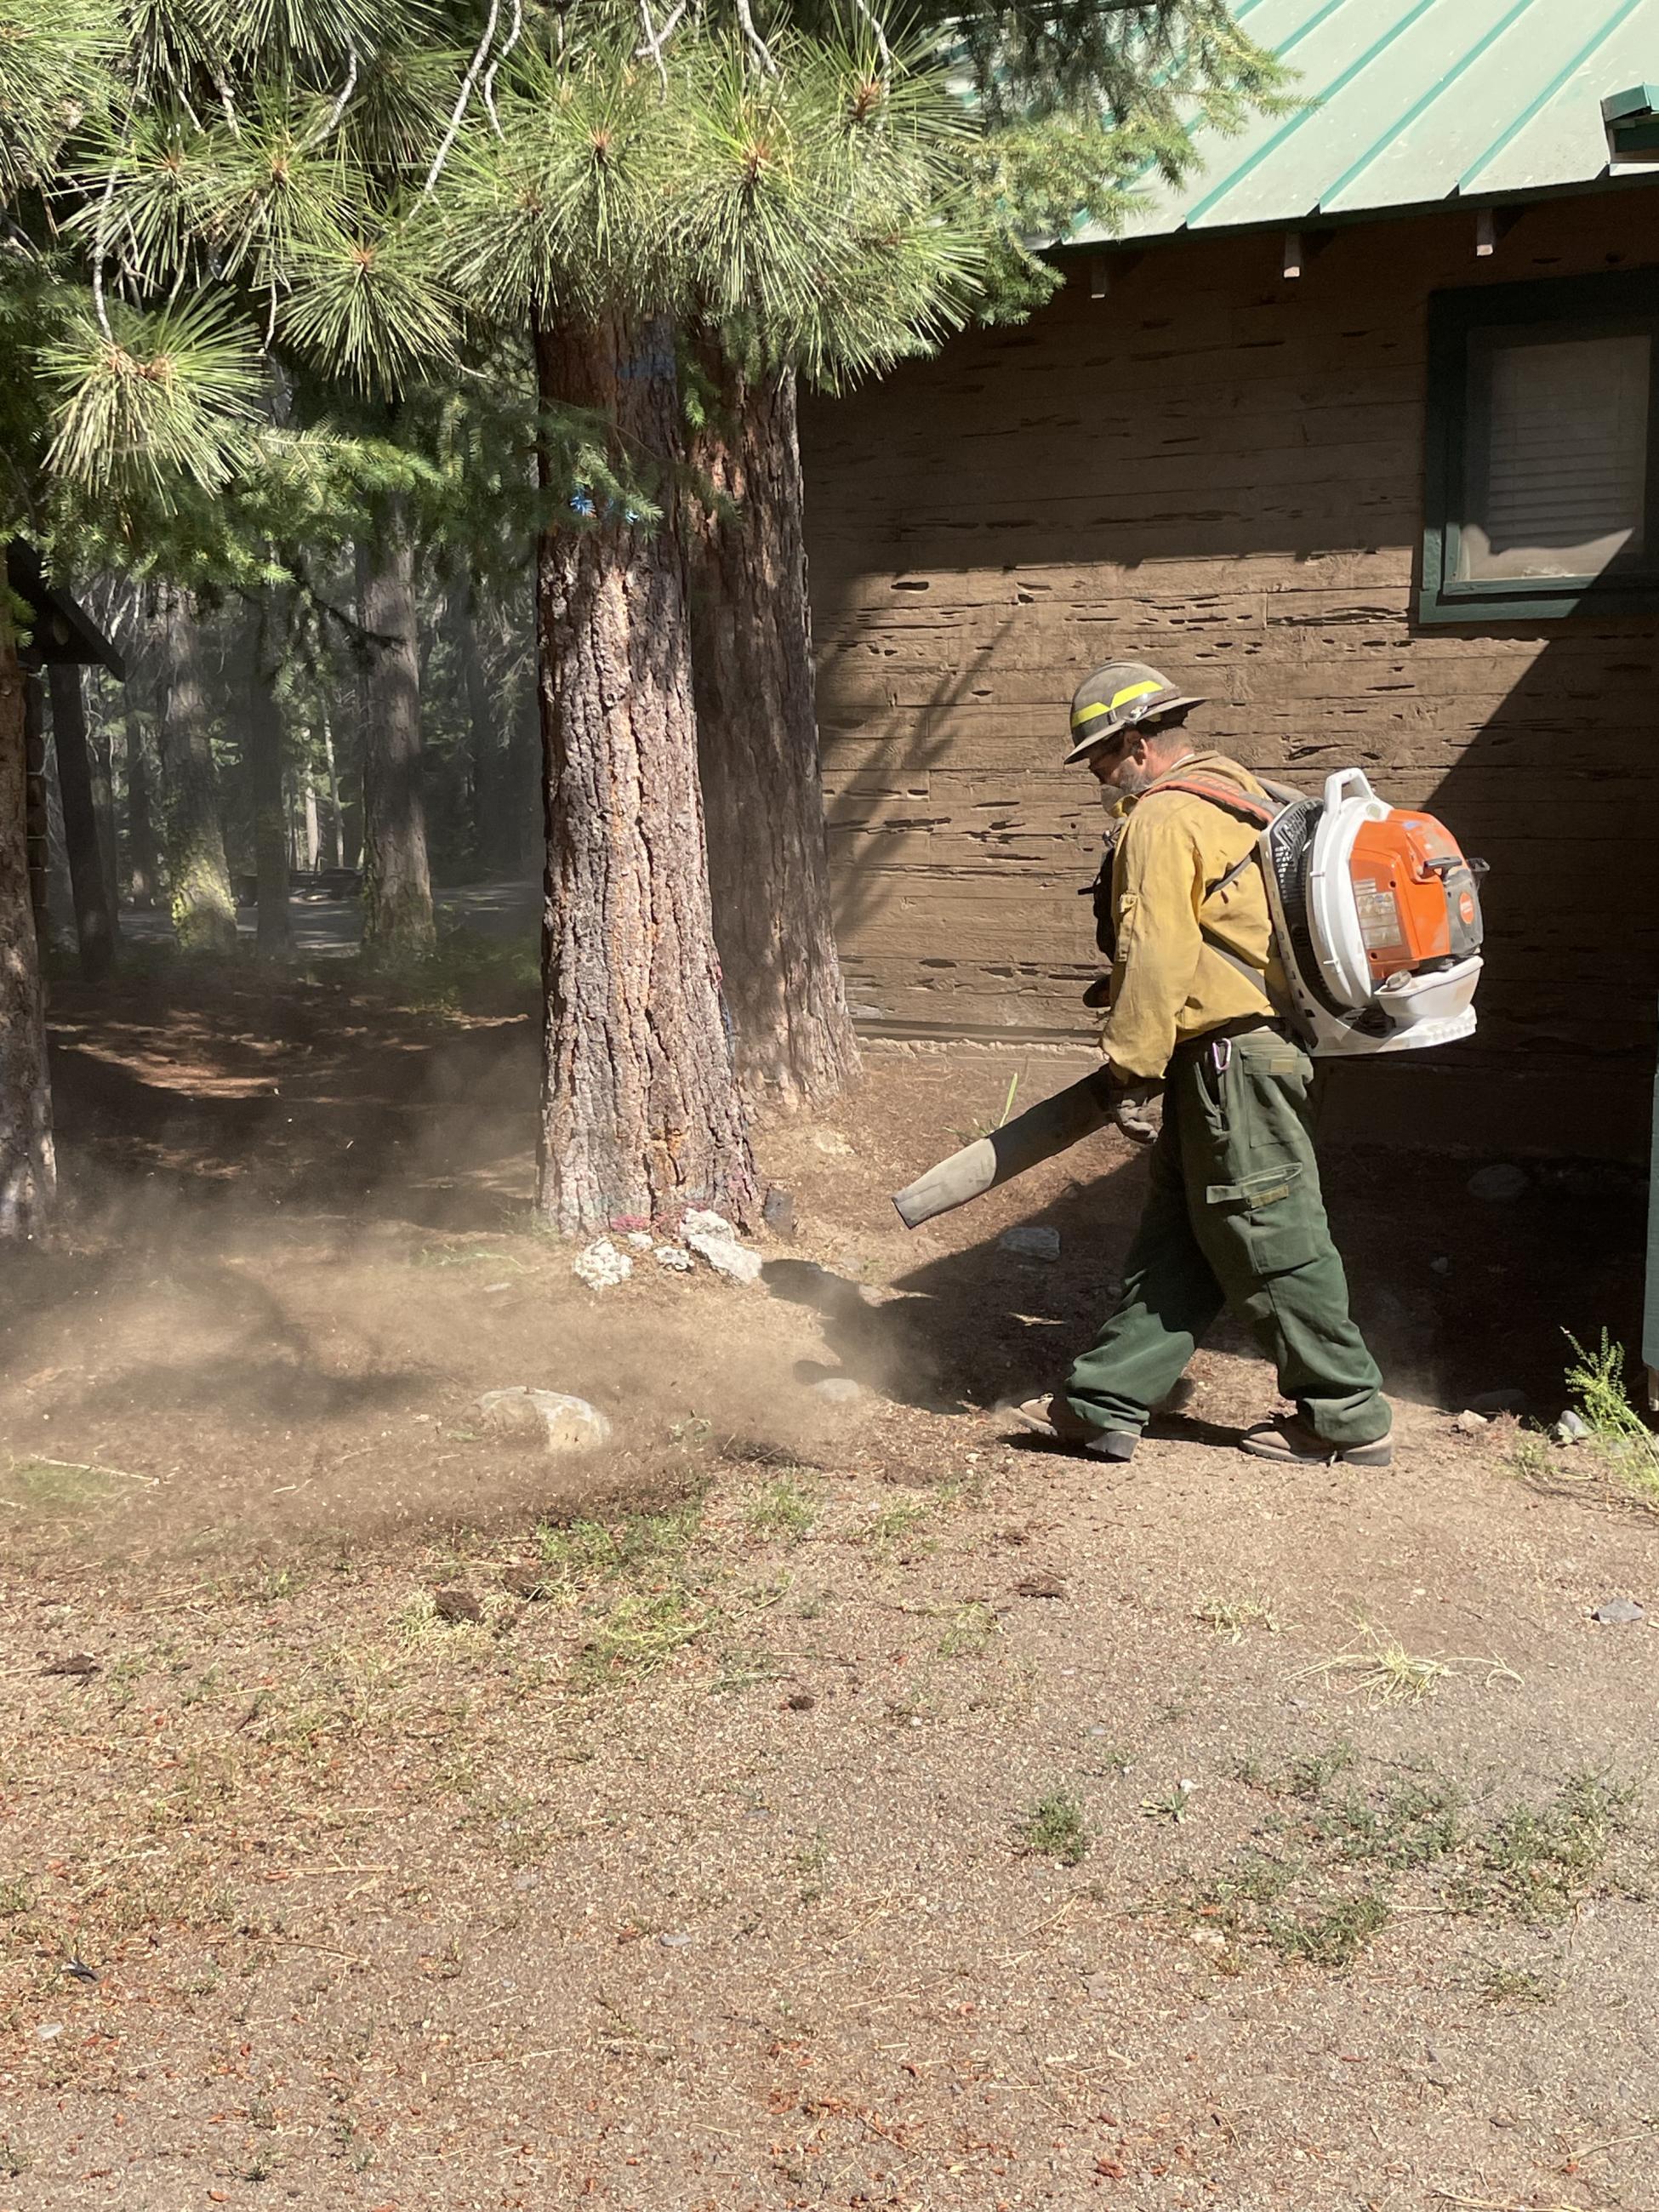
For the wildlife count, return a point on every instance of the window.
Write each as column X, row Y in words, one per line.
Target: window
column 1542, row 475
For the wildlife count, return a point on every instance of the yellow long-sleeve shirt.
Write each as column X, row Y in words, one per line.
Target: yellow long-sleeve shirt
column 1168, row 982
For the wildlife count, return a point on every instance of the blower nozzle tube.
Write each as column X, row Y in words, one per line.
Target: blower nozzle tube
column 1054, row 1125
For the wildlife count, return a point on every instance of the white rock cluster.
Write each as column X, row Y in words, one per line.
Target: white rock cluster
column 600, row 1265
column 603, row 1264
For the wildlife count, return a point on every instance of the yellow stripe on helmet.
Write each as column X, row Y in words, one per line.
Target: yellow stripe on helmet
column 1085, row 715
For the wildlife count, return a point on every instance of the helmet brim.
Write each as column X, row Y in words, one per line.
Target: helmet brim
column 1091, row 744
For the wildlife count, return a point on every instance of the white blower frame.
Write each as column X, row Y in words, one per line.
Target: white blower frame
column 1340, row 1012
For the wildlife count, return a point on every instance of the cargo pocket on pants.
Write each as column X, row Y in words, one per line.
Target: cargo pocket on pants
column 1271, row 1224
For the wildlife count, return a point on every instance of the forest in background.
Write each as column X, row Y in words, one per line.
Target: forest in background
column 480, row 739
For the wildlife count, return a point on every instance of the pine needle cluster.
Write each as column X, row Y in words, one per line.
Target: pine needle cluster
column 215, row 208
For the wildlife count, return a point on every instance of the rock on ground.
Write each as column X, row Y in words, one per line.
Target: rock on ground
column 601, row 1266
column 550, row 1417
column 779, row 1213
column 1500, row 1402
column 1616, row 1612
column 712, row 1237
column 1033, row 1242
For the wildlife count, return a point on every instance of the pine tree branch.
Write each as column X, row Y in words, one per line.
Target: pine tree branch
column 757, row 45
column 882, row 46
column 468, row 82
column 513, row 36
column 655, row 40
column 341, row 101
column 100, row 251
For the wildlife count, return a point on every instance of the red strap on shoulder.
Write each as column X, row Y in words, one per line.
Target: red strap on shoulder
column 1227, row 796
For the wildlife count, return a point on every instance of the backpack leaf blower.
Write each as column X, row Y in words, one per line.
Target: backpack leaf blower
column 1376, row 916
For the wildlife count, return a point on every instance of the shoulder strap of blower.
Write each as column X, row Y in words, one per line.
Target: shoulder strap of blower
column 1263, row 813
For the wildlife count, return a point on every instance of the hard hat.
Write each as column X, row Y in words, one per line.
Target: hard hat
column 1117, row 697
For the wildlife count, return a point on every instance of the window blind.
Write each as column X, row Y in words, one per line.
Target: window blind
column 1559, row 489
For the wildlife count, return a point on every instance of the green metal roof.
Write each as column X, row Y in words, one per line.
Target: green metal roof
column 1414, row 102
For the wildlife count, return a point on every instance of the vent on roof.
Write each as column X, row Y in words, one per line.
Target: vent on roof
column 1632, row 121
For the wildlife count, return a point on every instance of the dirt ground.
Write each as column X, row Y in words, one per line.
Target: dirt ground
column 833, row 1803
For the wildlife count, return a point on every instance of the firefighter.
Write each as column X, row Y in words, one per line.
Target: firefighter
column 1204, row 1072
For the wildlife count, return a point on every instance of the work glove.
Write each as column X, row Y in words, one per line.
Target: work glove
column 1137, row 1109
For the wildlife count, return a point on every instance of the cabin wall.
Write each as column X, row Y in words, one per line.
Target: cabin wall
column 1219, row 471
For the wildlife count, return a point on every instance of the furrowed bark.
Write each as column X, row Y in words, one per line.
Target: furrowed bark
column 203, row 903
column 28, row 1173
column 95, row 931
column 335, row 818
column 103, row 804
column 520, row 810
column 480, row 727
column 758, row 746
column 640, row 1112
column 397, row 923
column 144, row 870
column 36, row 812
column 274, row 938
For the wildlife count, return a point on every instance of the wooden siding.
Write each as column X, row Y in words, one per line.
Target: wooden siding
column 1219, row 472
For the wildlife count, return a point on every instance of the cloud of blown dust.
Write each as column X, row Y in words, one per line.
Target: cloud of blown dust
column 298, row 1250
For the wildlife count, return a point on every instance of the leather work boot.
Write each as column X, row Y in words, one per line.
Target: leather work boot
column 1054, row 1418
column 1291, row 1442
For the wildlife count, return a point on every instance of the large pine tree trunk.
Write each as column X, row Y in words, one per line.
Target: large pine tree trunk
column 28, row 1174
column 204, row 905
column 274, row 939
column 37, row 813
column 397, row 921
column 144, row 869
column 103, row 806
column 757, row 737
column 520, row 810
column 95, row 930
column 640, row 1112
column 336, row 814
column 481, row 726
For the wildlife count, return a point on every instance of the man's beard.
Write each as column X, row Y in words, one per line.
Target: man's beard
column 1132, row 778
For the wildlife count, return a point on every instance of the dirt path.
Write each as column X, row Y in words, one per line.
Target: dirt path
column 835, row 1804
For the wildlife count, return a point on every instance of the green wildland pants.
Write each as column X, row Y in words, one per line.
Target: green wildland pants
column 1235, row 1218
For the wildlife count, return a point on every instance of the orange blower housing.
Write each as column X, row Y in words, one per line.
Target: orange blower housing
column 1415, row 893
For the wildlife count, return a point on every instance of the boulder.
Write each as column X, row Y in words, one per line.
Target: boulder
column 552, row 1419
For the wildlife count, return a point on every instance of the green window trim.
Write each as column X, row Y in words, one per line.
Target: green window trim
column 1628, row 297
